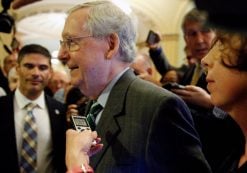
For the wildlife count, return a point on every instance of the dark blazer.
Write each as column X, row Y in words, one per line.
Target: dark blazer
column 9, row 163
column 4, row 83
column 146, row 129
column 160, row 60
column 187, row 77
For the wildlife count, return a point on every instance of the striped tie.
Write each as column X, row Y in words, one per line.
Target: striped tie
column 93, row 112
column 28, row 161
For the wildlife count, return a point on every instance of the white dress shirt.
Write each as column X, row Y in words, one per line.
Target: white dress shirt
column 41, row 115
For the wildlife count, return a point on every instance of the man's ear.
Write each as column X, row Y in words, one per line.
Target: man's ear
column 185, row 39
column 113, row 42
column 51, row 73
column 17, row 68
column 150, row 71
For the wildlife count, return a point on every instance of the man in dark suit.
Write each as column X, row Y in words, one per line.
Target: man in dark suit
column 199, row 39
column 144, row 128
column 34, row 70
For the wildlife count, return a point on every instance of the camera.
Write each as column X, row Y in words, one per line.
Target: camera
column 152, row 38
column 6, row 21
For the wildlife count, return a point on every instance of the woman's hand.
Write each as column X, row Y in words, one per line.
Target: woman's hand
column 79, row 147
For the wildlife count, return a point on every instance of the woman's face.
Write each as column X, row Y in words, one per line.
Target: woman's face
column 227, row 86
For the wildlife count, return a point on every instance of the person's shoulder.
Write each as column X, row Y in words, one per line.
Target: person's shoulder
column 53, row 101
column 55, row 106
column 5, row 98
column 148, row 88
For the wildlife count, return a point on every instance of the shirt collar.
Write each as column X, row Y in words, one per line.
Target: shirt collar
column 22, row 100
column 102, row 99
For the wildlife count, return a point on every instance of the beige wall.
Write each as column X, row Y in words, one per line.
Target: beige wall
column 4, row 39
column 163, row 15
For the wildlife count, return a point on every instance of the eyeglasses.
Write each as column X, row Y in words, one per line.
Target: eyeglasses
column 70, row 43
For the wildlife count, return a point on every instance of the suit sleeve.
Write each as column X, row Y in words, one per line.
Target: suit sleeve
column 160, row 61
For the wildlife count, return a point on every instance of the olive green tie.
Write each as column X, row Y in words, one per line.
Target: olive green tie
column 93, row 112
column 196, row 75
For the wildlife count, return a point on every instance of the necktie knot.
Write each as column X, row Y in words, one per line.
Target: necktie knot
column 95, row 109
column 30, row 106
column 93, row 112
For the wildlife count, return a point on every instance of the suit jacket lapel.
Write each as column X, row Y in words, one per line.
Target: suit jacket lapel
column 188, row 75
column 8, row 129
column 58, row 128
column 54, row 114
column 108, row 127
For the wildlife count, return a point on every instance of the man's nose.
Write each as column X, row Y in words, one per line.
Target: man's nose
column 199, row 37
column 35, row 71
column 63, row 55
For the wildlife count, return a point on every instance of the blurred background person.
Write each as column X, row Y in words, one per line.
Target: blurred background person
column 171, row 76
column 76, row 103
column 162, row 64
column 198, row 38
column 144, row 68
column 189, row 61
column 58, row 80
column 13, row 79
column 8, row 62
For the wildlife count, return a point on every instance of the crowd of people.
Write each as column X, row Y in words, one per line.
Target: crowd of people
column 197, row 125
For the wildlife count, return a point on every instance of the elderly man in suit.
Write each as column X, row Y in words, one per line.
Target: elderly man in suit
column 144, row 128
column 45, row 147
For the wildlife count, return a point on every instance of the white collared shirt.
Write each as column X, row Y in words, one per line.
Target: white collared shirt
column 41, row 115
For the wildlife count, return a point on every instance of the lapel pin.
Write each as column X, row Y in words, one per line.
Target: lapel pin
column 57, row 112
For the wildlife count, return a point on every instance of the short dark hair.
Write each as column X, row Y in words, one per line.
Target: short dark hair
column 33, row 48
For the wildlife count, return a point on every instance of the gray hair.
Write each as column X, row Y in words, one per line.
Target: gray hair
column 105, row 18
column 194, row 15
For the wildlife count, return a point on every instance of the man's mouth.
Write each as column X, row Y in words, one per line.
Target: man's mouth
column 73, row 68
column 35, row 82
column 204, row 50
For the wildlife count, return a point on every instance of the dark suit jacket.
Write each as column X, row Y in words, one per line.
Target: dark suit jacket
column 187, row 77
column 146, row 129
column 9, row 163
column 4, row 83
